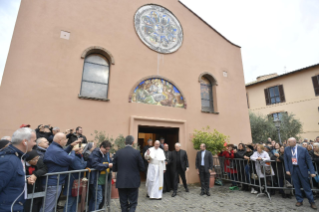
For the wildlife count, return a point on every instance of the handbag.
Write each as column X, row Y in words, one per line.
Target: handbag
column 316, row 178
column 266, row 167
column 78, row 187
column 254, row 176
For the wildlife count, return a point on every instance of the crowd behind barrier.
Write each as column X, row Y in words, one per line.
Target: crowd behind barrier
column 263, row 177
column 79, row 190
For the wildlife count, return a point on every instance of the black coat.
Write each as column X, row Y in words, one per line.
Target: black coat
column 183, row 159
column 281, row 168
column 73, row 137
column 208, row 160
column 128, row 164
column 40, row 170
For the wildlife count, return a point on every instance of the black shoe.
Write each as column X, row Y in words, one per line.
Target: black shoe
column 147, row 196
column 284, row 196
column 186, row 189
column 60, row 207
column 207, row 193
column 202, row 193
column 174, row 194
column 289, row 196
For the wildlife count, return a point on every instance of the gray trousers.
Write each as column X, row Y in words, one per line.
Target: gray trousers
column 50, row 199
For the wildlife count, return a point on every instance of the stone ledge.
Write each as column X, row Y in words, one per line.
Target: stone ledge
column 203, row 111
column 93, row 98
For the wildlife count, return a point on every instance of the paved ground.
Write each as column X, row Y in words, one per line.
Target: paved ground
column 221, row 199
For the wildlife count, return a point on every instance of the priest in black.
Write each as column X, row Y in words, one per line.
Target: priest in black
column 168, row 178
column 204, row 166
column 179, row 166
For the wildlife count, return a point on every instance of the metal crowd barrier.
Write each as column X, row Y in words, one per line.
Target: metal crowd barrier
column 106, row 194
column 236, row 171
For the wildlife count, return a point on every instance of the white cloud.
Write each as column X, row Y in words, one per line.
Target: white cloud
column 273, row 34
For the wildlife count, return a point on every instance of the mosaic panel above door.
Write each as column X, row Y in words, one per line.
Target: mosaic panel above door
column 156, row 91
column 158, row 28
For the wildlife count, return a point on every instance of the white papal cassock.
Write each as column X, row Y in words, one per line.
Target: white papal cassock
column 155, row 172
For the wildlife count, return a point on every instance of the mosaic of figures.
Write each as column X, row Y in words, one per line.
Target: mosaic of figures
column 158, row 28
column 157, row 91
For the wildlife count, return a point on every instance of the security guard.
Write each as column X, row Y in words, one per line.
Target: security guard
column 12, row 171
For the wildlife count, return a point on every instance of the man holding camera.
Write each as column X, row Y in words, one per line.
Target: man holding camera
column 75, row 136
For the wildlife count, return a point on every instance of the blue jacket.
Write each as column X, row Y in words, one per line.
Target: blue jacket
column 12, row 179
column 128, row 164
column 96, row 161
column 58, row 159
column 77, row 164
column 303, row 160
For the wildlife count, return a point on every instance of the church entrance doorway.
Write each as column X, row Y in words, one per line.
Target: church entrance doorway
column 156, row 133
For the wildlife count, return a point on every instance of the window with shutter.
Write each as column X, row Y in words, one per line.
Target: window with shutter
column 267, row 97
column 274, row 95
column 315, row 81
column 281, row 93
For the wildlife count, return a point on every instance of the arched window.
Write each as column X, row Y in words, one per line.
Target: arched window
column 208, row 86
column 206, row 95
column 95, row 78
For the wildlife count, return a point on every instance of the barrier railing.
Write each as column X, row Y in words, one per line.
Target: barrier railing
column 80, row 188
column 265, row 176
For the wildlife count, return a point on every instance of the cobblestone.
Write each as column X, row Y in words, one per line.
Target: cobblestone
column 221, row 199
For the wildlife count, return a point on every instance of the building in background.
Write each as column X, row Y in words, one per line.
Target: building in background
column 295, row 92
column 123, row 67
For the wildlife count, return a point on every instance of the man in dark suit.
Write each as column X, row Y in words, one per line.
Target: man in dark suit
column 179, row 166
column 297, row 163
column 168, row 174
column 128, row 164
column 204, row 166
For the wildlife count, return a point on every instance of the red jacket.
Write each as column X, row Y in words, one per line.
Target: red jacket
column 227, row 162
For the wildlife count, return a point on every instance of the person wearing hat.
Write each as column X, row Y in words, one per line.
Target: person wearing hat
column 4, row 144
column 36, row 168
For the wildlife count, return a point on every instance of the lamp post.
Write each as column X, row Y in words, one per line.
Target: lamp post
column 277, row 125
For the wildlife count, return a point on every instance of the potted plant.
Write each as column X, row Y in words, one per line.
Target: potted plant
column 214, row 142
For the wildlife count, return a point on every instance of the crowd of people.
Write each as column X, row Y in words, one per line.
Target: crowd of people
column 46, row 150
column 29, row 154
column 277, row 165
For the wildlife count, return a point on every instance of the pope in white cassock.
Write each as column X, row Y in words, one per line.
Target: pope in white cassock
column 156, row 169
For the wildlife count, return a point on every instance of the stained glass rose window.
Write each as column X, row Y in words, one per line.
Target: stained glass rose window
column 158, row 28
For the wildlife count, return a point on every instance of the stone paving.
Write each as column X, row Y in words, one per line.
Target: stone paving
column 221, row 199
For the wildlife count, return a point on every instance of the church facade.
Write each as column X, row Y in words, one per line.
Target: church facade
column 123, row 67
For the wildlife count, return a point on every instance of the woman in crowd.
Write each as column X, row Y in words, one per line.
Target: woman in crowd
column 77, row 164
column 87, row 150
column 239, row 153
column 276, row 149
column 281, row 173
column 229, row 164
column 309, row 148
column 36, row 168
column 260, row 166
column 315, row 158
column 249, row 152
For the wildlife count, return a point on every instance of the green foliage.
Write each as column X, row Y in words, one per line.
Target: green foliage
column 263, row 127
column 214, row 140
column 117, row 143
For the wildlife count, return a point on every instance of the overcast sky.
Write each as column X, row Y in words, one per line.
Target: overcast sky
column 275, row 35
